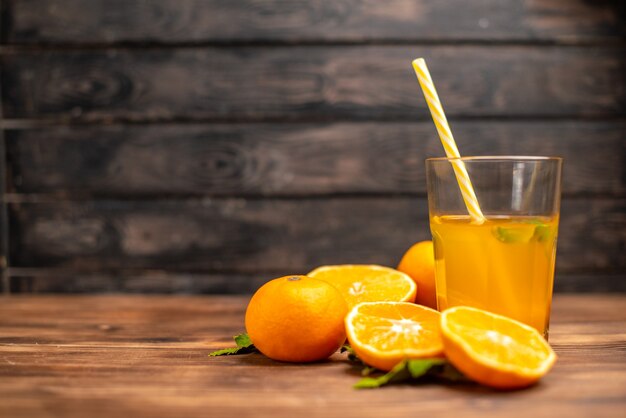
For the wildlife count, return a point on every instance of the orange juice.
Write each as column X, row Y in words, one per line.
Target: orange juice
column 505, row 265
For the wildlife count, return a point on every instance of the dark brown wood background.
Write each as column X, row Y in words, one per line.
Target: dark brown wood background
column 207, row 146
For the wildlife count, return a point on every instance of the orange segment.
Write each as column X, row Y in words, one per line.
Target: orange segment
column 384, row 333
column 367, row 283
column 495, row 350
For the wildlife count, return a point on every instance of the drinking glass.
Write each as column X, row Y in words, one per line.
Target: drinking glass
column 504, row 264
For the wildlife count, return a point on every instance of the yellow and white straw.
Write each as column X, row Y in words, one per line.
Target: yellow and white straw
column 436, row 111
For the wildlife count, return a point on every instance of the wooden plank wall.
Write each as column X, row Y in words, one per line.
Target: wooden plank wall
column 205, row 146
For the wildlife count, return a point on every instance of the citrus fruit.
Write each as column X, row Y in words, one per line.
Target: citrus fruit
column 367, row 283
column 419, row 263
column 384, row 333
column 296, row 319
column 494, row 350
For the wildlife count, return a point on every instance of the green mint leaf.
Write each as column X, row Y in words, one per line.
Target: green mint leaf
column 225, row 352
column 543, row 233
column 233, row 351
column 413, row 370
column 370, row 383
column 419, row 368
column 244, row 346
column 399, row 373
column 243, row 340
column 367, row 370
column 513, row 234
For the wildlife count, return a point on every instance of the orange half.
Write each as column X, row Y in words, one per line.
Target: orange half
column 494, row 350
column 384, row 333
column 367, row 283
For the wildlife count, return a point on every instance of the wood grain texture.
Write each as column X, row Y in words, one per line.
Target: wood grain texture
column 295, row 159
column 216, row 205
column 4, row 220
column 147, row 356
column 340, row 82
column 49, row 280
column 168, row 21
column 224, row 234
column 273, row 234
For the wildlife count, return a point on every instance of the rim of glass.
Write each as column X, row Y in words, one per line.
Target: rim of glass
column 496, row 158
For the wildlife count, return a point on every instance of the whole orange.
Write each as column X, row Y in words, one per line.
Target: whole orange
column 419, row 263
column 296, row 319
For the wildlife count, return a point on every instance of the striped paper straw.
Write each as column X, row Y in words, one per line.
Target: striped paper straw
column 436, row 111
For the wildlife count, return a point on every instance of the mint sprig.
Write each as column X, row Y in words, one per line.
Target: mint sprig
column 414, row 370
column 405, row 371
column 543, row 233
column 244, row 346
column 516, row 234
column 512, row 235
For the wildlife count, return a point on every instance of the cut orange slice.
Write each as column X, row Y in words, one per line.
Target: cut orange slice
column 384, row 333
column 494, row 350
column 367, row 283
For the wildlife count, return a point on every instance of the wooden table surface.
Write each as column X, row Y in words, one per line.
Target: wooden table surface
column 86, row 356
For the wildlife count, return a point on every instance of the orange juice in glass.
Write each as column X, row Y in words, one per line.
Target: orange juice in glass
column 504, row 264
